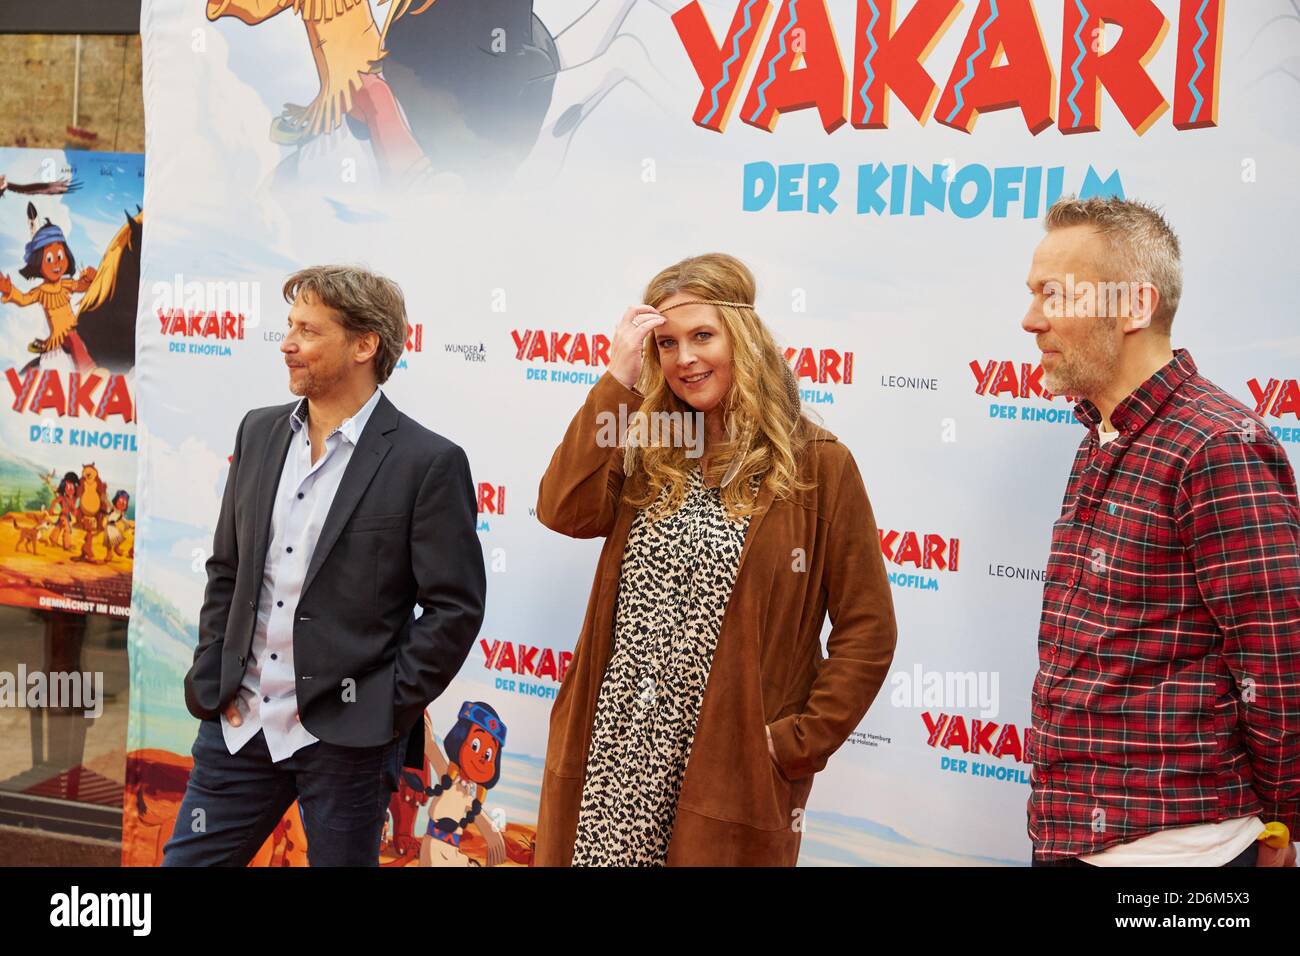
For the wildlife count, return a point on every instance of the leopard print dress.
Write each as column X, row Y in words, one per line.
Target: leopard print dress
column 674, row 584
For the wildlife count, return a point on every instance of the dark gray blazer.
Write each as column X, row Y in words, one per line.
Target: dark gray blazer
column 401, row 531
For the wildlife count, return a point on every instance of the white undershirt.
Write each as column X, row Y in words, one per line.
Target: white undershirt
column 1204, row 844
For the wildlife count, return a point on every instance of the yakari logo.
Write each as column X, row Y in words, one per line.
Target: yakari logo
column 491, row 499
column 822, row 366
column 1011, row 379
column 930, row 551
column 414, row 341
column 99, row 394
column 415, row 337
column 1003, row 63
column 525, row 659
column 980, row 736
column 1276, row 398
column 572, row 348
column 207, row 325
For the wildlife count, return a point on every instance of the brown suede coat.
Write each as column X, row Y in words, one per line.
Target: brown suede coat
column 814, row 552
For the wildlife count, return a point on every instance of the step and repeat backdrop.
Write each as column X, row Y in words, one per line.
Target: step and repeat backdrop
column 523, row 168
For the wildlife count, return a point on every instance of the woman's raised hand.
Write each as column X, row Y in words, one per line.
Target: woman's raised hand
column 626, row 348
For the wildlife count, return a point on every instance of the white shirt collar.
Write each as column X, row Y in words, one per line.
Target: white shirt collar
column 349, row 428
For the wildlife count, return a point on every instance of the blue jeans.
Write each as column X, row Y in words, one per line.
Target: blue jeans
column 233, row 801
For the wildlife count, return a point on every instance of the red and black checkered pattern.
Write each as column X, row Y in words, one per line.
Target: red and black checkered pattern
column 1168, row 690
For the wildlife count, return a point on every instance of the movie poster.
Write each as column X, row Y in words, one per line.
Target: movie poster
column 523, row 167
column 71, row 225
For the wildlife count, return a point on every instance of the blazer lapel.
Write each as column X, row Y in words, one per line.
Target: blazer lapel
column 365, row 461
column 268, row 480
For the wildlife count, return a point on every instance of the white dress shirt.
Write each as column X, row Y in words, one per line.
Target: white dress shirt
column 268, row 695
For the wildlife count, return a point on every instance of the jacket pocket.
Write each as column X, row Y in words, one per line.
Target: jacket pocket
column 730, row 775
column 781, row 784
column 376, row 522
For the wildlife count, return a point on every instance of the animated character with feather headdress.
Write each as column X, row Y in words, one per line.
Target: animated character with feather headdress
column 109, row 300
column 48, row 257
column 471, row 767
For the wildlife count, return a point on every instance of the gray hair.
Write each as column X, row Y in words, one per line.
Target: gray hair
column 1145, row 245
column 365, row 302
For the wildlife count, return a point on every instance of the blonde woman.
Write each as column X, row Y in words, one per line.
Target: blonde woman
column 698, row 704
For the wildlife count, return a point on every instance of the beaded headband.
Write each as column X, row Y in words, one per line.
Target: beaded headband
column 738, row 305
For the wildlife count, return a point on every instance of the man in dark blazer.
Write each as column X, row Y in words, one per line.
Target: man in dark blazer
column 340, row 516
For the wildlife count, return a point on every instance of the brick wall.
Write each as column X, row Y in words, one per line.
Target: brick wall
column 36, row 97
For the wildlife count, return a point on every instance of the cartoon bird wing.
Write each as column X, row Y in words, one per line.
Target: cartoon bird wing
column 56, row 188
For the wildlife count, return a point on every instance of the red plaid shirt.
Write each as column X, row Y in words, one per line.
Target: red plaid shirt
column 1168, row 689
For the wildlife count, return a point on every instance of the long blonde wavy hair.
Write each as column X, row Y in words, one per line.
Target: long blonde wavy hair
column 761, row 411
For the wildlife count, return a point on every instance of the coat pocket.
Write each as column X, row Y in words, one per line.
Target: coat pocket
column 730, row 775
column 375, row 522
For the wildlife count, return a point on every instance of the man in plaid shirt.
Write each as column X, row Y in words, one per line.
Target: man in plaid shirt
column 1166, row 710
